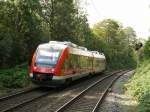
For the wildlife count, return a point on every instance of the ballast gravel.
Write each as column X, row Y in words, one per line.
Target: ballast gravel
column 116, row 100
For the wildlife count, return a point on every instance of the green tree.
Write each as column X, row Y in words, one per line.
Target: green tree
column 115, row 43
column 131, row 36
column 147, row 49
column 20, row 30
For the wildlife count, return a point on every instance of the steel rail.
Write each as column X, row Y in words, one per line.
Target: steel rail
column 106, row 91
column 17, row 94
column 63, row 107
column 24, row 103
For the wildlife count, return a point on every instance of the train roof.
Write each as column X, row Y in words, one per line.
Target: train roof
column 74, row 49
column 56, row 45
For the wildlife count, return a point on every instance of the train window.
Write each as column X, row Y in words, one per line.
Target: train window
column 78, row 63
column 47, row 57
column 83, row 61
column 71, row 63
column 66, row 65
column 90, row 61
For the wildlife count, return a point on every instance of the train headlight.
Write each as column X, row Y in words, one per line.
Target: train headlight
column 52, row 70
column 35, row 67
column 31, row 75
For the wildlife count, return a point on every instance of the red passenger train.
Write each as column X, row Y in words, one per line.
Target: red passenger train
column 62, row 62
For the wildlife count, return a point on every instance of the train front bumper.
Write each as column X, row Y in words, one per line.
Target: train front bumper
column 46, row 79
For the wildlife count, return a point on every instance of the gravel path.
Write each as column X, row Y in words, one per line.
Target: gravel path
column 117, row 100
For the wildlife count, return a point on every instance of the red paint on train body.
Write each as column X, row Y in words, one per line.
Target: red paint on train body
column 57, row 62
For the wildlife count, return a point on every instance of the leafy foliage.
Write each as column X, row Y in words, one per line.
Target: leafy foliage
column 15, row 77
column 116, row 43
column 147, row 49
column 20, row 31
column 139, row 86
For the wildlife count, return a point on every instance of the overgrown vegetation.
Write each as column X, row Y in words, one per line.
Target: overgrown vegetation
column 117, row 43
column 24, row 24
column 146, row 50
column 139, row 84
column 15, row 77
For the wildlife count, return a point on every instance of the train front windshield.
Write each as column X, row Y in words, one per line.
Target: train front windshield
column 47, row 57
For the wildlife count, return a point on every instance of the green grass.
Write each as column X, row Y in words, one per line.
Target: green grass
column 139, row 86
column 16, row 77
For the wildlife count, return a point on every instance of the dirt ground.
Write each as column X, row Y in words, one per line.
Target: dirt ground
column 117, row 100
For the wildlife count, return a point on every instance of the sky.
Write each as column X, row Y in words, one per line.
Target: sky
column 134, row 13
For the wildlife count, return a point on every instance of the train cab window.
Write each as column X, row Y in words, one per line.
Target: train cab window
column 47, row 57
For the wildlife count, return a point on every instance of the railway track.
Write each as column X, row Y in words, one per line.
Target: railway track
column 8, row 103
column 2, row 98
column 27, row 99
column 20, row 99
column 91, row 97
column 52, row 102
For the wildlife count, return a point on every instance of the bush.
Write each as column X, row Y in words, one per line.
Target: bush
column 147, row 49
column 139, row 86
column 144, row 105
column 15, row 77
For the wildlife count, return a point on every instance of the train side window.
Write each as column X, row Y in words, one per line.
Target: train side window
column 65, row 65
column 89, row 62
column 74, row 61
column 83, row 61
